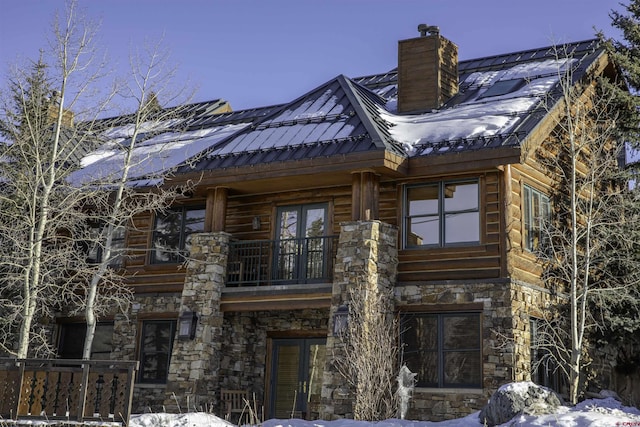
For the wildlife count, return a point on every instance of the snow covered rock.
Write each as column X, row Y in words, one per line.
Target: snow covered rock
column 515, row 399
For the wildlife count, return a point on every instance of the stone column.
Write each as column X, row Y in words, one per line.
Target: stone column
column 367, row 256
column 195, row 363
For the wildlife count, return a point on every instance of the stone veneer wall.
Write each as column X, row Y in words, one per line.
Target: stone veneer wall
column 506, row 307
column 146, row 397
column 244, row 344
column 195, row 363
column 367, row 256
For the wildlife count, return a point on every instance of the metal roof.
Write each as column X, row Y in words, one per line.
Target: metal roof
column 345, row 116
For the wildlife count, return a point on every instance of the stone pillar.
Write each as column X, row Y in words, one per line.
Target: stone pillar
column 193, row 372
column 367, row 256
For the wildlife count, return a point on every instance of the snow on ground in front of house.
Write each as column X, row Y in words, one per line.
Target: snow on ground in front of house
column 590, row 413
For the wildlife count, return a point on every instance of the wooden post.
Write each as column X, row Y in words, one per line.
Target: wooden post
column 365, row 195
column 220, row 209
column 208, row 213
column 216, row 209
column 355, row 196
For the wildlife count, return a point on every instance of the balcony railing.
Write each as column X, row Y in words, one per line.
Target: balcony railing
column 64, row 389
column 285, row 261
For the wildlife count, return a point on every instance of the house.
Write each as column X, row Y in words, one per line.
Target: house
column 416, row 180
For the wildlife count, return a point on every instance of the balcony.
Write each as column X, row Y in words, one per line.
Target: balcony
column 281, row 262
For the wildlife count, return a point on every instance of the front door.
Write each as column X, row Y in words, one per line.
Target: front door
column 300, row 251
column 296, row 377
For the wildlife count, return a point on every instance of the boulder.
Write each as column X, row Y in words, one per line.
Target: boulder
column 515, row 399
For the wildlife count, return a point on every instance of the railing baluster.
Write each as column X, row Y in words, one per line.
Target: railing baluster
column 265, row 262
column 99, row 386
column 114, row 393
column 56, row 400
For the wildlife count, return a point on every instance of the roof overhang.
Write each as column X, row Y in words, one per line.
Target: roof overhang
column 296, row 174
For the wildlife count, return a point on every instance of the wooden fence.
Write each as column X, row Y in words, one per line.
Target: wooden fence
column 64, row 389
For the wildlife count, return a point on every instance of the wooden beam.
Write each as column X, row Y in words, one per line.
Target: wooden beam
column 355, row 196
column 208, row 214
column 219, row 209
column 365, row 195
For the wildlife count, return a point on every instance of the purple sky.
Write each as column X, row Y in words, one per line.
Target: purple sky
column 262, row 52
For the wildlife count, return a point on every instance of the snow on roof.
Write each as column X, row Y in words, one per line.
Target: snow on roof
column 480, row 116
column 151, row 157
column 342, row 116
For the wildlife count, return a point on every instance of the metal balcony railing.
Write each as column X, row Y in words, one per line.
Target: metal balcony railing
column 285, row 261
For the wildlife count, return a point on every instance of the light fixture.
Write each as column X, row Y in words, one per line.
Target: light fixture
column 340, row 320
column 256, row 223
column 187, row 325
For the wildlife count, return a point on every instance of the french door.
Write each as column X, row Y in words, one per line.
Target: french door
column 300, row 247
column 296, row 377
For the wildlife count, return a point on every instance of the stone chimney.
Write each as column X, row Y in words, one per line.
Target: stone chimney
column 427, row 71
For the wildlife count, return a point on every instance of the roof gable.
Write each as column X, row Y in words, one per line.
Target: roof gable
column 338, row 117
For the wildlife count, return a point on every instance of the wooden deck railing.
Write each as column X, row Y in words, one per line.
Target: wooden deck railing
column 75, row 390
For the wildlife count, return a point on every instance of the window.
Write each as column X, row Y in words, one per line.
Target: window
column 170, row 233
column 503, row 87
column 535, row 213
column 443, row 349
column 544, row 370
column 71, row 341
column 95, row 250
column 301, row 253
column 155, row 350
column 442, row 214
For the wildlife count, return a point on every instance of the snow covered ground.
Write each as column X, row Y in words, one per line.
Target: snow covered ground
column 590, row 413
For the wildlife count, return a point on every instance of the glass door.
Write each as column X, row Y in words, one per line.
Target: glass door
column 300, row 247
column 296, row 377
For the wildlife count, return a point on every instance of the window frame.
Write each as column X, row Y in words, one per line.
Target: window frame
column 440, row 349
column 180, row 251
column 546, row 373
column 532, row 223
column 441, row 214
column 142, row 353
column 95, row 251
column 64, row 328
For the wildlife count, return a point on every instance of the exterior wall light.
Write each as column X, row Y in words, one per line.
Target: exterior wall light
column 187, row 325
column 340, row 320
column 255, row 224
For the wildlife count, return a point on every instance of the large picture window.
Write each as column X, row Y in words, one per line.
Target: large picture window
column 441, row 214
column 536, row 212
column 72, row 336
column 444, row 350
column 155, row 350
column 170, row 233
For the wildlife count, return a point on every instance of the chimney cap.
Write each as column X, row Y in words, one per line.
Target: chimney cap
column 428, row 30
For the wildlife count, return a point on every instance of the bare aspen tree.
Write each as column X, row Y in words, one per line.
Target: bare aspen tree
column 40, row 152
column 587, row 249
column 60, row 217
column 151, row 80
column 369, row 362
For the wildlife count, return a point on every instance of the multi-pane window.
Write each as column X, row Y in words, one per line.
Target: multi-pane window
column 170, row 233
column 443, row 349
column 155, row 350
column 442, row 213
column 301, row 249
column 536, row 213
column 72, row 336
